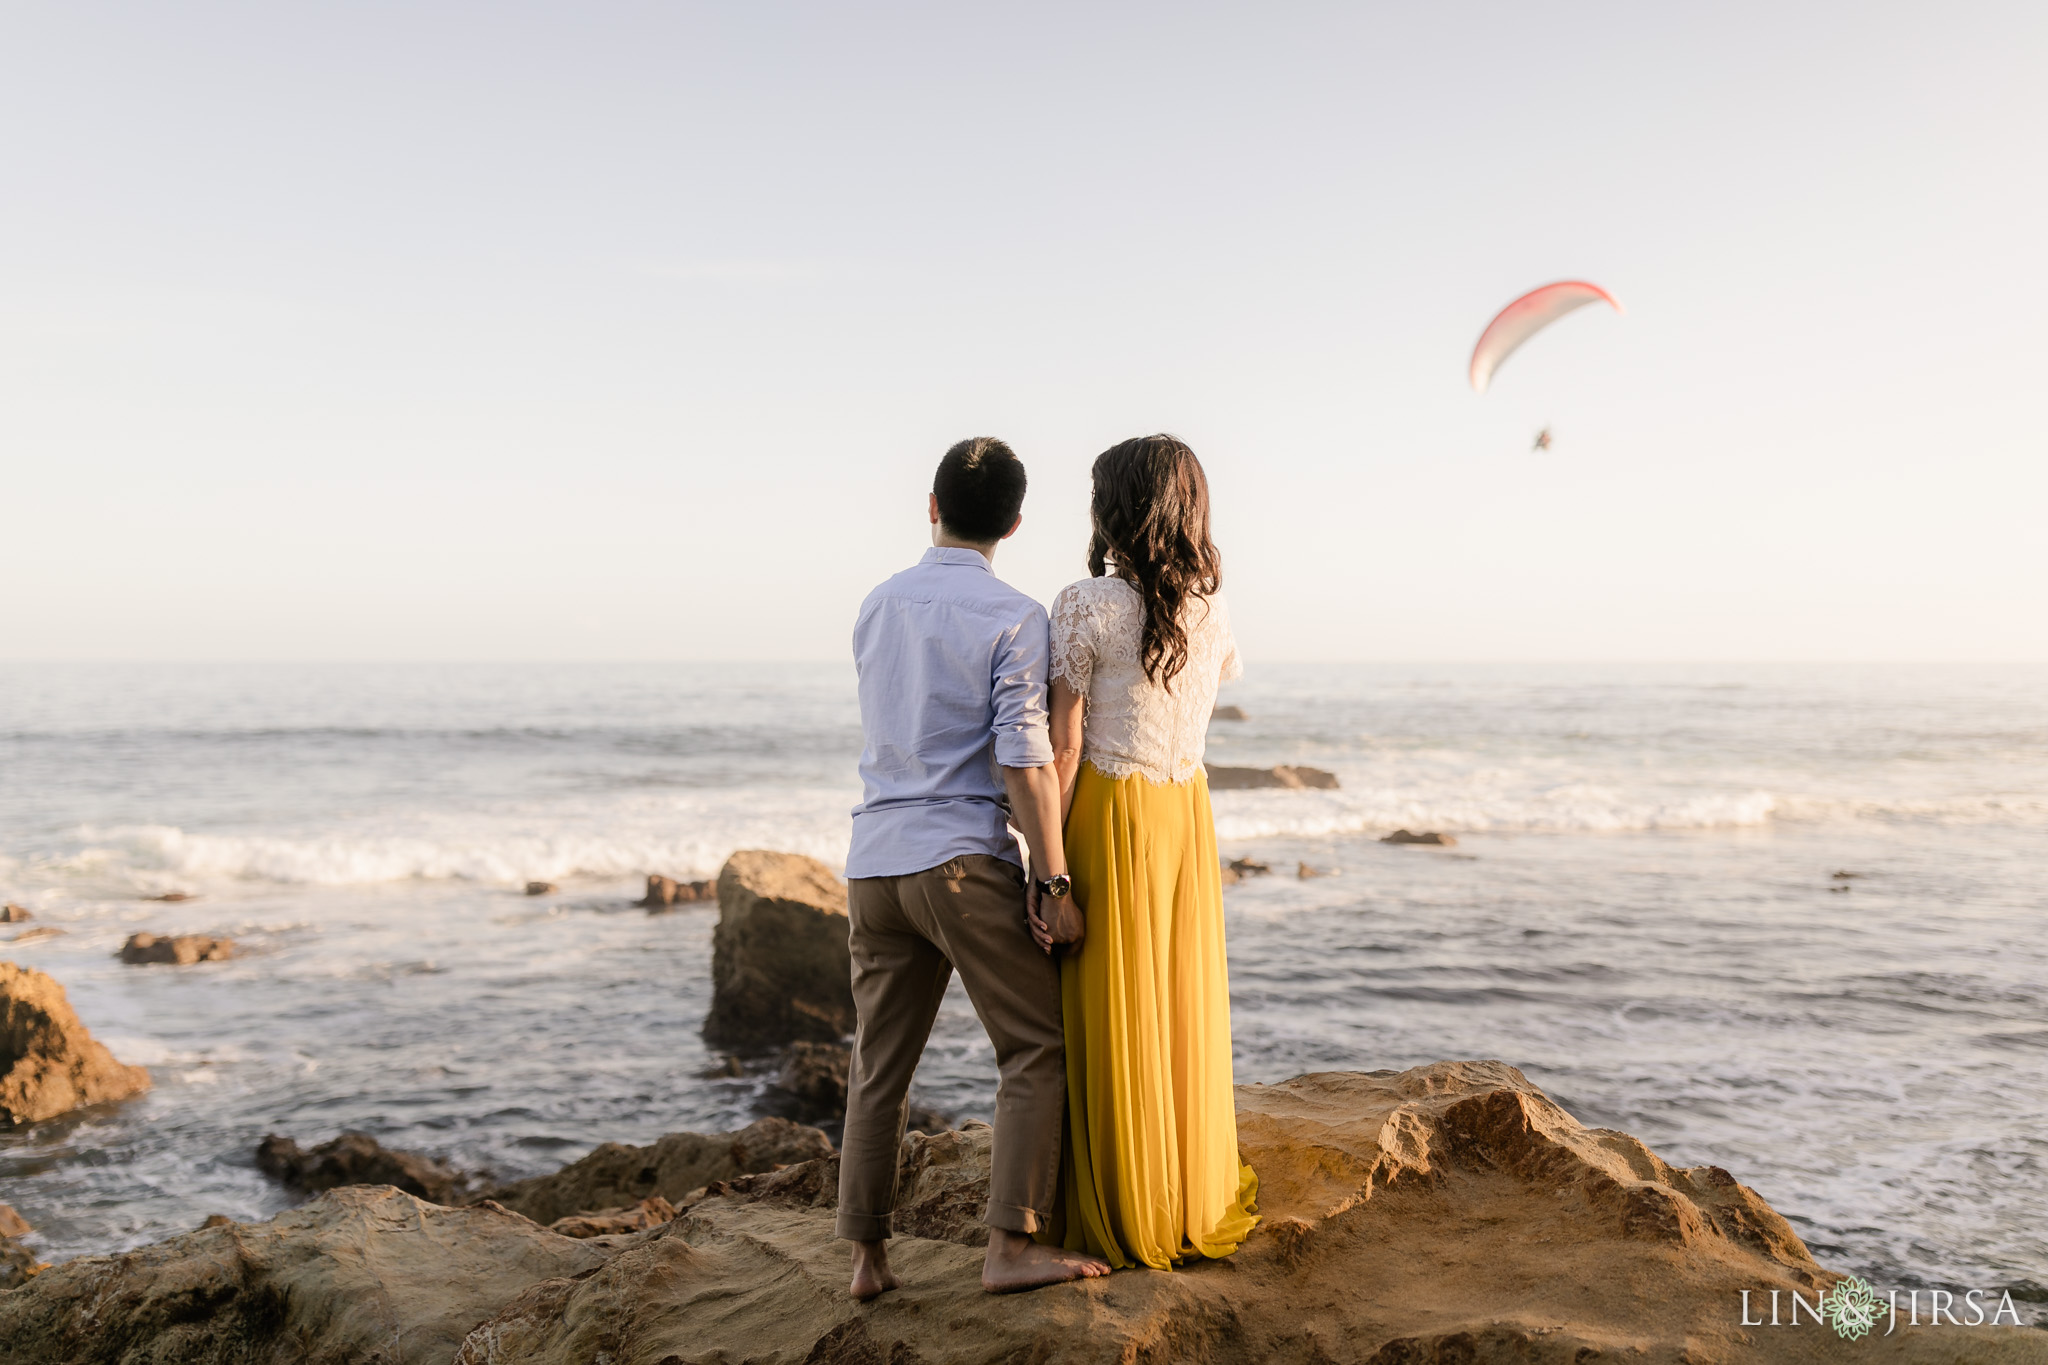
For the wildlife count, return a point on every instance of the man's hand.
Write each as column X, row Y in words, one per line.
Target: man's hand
column 1055, row 920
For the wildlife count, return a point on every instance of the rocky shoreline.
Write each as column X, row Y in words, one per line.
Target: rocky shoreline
column 1449, row 1213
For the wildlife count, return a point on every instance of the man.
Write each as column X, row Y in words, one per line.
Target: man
column 952, row 666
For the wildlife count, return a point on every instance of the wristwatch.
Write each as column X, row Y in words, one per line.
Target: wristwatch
column 1057, row 887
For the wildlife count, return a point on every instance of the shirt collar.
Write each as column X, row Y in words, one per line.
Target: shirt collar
column 954, row 554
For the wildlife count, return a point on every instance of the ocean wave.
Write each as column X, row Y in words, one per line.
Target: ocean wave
column 1257, row 815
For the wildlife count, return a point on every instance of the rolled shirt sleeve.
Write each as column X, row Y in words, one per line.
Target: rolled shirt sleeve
column 1023, row 739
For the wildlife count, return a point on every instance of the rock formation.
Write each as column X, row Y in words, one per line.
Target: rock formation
column 780, row 972
column 359, row 1275
column 814, row 1075
column 173, row 897
column 541, row 888
column 37, row 934
column 13, row 1224
column 1224, row 779
column 617, row 1175
column 1430, row 838
column 665, row 893
column 357, row 1159
column 1450, row 1213
column 49, row 1064
column 650, row 1212
column 11, row 913
column 176, row 949
column 1228, row 713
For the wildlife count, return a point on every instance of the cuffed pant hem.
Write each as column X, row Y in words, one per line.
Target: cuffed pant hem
column 862, row 1227
column 1011, row 1218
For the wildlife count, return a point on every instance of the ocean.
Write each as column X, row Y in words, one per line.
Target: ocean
column 1643, row 911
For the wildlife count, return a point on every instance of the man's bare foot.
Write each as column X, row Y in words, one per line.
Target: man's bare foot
column 871, row 1273
column 1016, row 1262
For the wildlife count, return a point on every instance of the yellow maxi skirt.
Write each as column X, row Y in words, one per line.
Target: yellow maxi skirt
column 1150, row 1172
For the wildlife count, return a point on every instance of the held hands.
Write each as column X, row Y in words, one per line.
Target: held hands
column 1054, row 920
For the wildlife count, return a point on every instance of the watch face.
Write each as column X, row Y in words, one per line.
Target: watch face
column 1057, row 886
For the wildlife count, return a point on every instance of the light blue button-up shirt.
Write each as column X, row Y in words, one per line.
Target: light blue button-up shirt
column 952, row 664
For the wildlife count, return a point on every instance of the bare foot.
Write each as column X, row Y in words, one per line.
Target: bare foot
column 1016, row 1262
column 871, row 1273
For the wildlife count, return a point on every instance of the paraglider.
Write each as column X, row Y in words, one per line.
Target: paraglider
column 1524, row 318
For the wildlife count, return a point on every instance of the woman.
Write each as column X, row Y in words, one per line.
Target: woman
column 1151, row 1172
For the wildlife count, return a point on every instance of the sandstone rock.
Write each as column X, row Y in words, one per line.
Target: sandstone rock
column 37, row 934
column 217, row 1220
column 11, row 913
column 617, row 1175
column 780, row 971
column 541, row 888
column 49, row 1064
column 815, row 1075
column 13, row 1224
column 359, row 1275
column 357, row 1159
column 1228, row 713
column 664, row 893
column 650, row 1212
column 1431, row 838
column 177, row 949
column 1303, row 871
column 1447, row 1214
column 1284, row 776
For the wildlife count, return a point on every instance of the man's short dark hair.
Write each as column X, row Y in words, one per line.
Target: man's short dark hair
column 980, row 487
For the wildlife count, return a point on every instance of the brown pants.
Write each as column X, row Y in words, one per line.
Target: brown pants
column 908, row 935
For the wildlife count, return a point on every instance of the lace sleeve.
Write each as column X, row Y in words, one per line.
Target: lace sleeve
column 1073, row 652
column 1233, row 667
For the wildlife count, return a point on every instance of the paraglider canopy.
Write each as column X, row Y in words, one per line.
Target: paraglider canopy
column 1524, row 318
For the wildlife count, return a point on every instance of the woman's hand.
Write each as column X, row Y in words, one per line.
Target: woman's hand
column 1054, row 920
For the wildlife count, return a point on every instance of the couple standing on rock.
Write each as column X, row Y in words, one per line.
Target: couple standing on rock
column 1099, row 973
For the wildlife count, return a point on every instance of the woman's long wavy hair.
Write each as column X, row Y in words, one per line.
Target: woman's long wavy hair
column 1151, row 510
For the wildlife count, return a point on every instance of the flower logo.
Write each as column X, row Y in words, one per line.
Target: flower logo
column 1851, row 1308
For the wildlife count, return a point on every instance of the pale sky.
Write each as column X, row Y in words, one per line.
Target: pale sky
column 596, row 330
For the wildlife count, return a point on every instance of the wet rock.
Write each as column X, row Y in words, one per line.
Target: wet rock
column 13, row 1224
column 18, row 1265
column 1230, row 876
column 665, row 893
column 814, row 1074
column 1284, row 776
column 37, row 934
column 217, row 1220
column 49, row 1064
column 918, row 1119
column 1431, row 838
column 1249, row 867
column 1303, row 871
column 1228, row 713
column 541, row 888
column 11, row 913
column 617, row 1175
column 650, row 1212
column 726, row 1066
column 358, row 1159
column 173, row 897
column 1448, row 1213
column 359, row 1275
column 175, row 949
column 780, row 972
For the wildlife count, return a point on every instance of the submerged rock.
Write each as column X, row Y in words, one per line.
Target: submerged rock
column 1228, row 713
column 173, row 897
column 664, row 893
column 359, row 1275
column 541, row 888
column 11, row 913
column 617, row 1175
column 780, row 971
column 1284, row 776
column 1430, row 838
column 49, row 1064
column 180, row 950
column 357, row 1159
column 37, row 934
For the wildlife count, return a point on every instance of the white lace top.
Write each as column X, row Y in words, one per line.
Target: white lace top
column 1132, row 724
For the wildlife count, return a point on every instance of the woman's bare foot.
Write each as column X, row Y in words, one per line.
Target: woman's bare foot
column 871, row 1273
column 1016, row 1262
